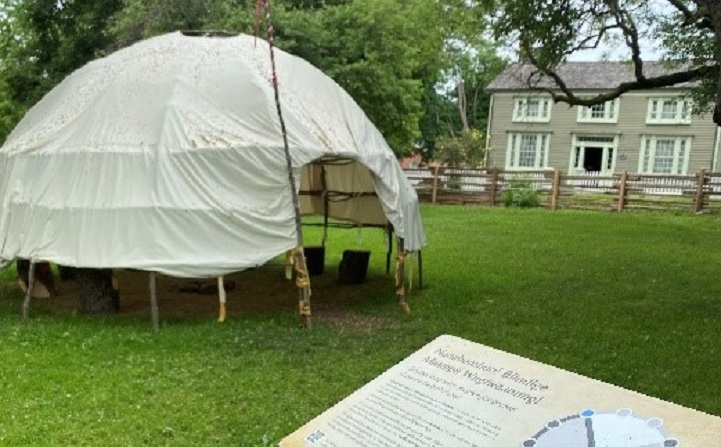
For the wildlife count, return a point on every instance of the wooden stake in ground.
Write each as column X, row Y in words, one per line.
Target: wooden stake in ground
column 29, row 293
column 154, row 303
column 400, row 276
column 221, row 299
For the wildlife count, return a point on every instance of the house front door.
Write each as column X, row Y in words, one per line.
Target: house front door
column 592, row 159
column 593, row 154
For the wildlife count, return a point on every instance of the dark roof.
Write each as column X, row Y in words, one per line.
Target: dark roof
column 576, row 75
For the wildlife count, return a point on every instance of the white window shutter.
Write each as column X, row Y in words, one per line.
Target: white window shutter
column 541, row 152
column 646, row 155
column 653, row 109
column 680, row 155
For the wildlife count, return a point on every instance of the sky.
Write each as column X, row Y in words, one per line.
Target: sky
column 649, row 52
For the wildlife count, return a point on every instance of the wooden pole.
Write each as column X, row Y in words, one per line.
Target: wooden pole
column 29, row 292
column 555, row 189
column 400, row 276
column 326, row 202
column 494, row 186
column 302, row 277
column 154, row 313
column 390, row 249
column 622, row 191
column 700, row 182
column 221, row 300
column 420, row 269
column 434, row 192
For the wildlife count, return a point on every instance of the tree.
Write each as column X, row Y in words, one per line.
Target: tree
column 379, row 51
column 41, row 42
column 689, row 31
column 456, row 101
column 466, row 150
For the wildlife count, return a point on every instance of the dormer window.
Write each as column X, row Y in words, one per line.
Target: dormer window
column 532, row 109
column 668, row 111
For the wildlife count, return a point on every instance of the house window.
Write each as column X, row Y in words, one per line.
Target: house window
column 532, row 109
column 527, row 150
column 668, row 111
column 606, row 112
column 664, row 155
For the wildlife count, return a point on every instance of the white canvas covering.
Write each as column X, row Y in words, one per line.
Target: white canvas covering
column 168, row 156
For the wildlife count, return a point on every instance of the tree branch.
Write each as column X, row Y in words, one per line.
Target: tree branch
column 678, row 4
column 630, row 34
column 668, row 80
column 697, row 18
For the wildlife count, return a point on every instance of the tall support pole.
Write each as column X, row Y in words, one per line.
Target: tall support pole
column 302, row 277
column 401, row 276
column 326, row 202
column 29, row 292
column 155, row 314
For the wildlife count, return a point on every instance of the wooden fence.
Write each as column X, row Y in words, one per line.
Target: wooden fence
column 699, row 193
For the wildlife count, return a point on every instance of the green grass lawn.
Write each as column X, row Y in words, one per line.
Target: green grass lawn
column 632, row 299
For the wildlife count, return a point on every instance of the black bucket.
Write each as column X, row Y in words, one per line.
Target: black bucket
column 315, row 259
column 353, row 267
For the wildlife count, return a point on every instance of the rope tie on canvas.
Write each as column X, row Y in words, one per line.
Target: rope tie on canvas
column 400, row 286
column 302, row 278
column 400, row 266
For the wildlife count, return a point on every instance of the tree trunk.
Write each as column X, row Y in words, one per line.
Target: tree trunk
column 97, row 294
column 462, row 103
column 713, row 8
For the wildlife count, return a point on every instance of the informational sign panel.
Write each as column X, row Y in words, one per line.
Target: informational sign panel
column 456, row 393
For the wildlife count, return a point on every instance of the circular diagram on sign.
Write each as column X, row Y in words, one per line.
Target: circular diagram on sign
column 600, row 429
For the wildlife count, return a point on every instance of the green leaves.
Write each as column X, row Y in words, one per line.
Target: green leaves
column 41, row 42
column 399, row 59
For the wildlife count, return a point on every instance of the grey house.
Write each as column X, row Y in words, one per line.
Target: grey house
column 651, row 131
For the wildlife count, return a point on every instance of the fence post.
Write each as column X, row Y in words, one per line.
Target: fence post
column 622, row 191
column 494, row 185
column 700, row 182
column 556, row 189
column 434, row 193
